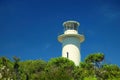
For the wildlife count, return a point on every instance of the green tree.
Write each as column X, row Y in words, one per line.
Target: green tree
column 59, row 69
column 6, row 68
column 110, row 71
column 95, row 59
column 33, row 69
column 16, row 68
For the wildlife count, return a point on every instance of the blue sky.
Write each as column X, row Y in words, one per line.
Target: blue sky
column 29, row 28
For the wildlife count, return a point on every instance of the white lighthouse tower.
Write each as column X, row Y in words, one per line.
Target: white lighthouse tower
column 71, row 40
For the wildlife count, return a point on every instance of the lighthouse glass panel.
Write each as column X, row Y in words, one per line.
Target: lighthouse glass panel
column 75, row 28
column 65, row 28
column 69, row 28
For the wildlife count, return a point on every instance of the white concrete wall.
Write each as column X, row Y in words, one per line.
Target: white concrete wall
column 71, row 45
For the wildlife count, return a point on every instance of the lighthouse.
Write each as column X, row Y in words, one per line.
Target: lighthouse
column 71, row 41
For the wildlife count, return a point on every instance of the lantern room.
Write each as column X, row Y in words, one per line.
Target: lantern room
column 71, row 27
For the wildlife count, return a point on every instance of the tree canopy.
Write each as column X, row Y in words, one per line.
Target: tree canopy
column 92, row 68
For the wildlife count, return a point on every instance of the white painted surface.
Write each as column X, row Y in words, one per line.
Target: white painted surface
column 70, row 32
column 71, row 46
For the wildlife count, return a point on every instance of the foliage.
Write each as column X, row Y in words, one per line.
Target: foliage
column 33, row 69
column 58, row 69
column 94, row 58
column 6, row 68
